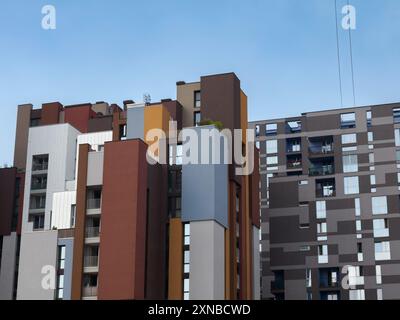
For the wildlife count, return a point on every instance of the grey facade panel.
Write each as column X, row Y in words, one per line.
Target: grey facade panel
column 135, row 123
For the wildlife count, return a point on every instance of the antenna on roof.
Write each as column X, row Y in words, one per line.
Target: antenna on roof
column 146, row 98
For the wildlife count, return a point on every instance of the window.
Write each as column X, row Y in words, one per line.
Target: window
column 378, row 272
column 379, row 294
column 305, row 248
column 357, row 206
column 379, row 205
column 398, row 156
column 348, row 120
column 271, row 129
column 349, row 138
column 397, row 137
column 197, row 118
column 396, row 115
column 175, row 155
column 370, row 136
column 197, row 99
column 360, row 256
column 321, row 209
column 382, row 250
column 272, row 146
column 303, row 183
column 321, row 227
column 351, row 185
column 350, row 163
column 258, row 145
column 323, row 253
column 60, row 272
column 381, row 228
column 293, row 126
column 372, row 179
column 357, row 294
column 358, row 225
column 369, row 118
column 40, row 162
column 356, row 276
column 272, row 160
column 123, row 131
column 308, row 278
column 73, row 215
column 349, row 149
column 257, row 130
column 371, row 157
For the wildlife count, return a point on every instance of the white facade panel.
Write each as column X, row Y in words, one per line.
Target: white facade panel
column 62, row 209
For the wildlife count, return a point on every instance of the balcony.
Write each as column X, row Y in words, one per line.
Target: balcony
column 88, row 291
column 92, row 232
column 293, row 145
column 320, row 145
column 325, row 188
column 40, row 166
column 91, row 261
column 322, row 170
column 39, row 186
column 93, row 204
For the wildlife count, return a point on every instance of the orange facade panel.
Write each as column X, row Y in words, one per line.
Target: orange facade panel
column 175, row 269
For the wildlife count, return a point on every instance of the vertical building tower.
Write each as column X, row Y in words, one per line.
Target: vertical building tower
column 330, row 204
column 98, row 220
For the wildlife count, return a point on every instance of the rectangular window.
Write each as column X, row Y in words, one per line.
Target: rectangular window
column 371, row 157
column 349, row 138
column 382, row 250
column 381, row 228
column 379, row 294
column 257, row 130
column 323, row 254
column 272, row 160
column 321, row 209
column 272, row 146
column 379, row 205
column 349, row 149
column 369, row 118
column 358, row 225
column 357, row 207
column 350, row 163
column 396, row 115
column 370, row 136
column 378, row 271
column 271, row 129
column 397, row 137
column 351, row 185
column 398, row 155
column 357, row 294
column 321, row 227
column 197, row 99
column 348, row 120
column 372, row 180
column 197, row 118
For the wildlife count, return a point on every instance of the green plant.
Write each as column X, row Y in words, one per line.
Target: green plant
column 207, row 122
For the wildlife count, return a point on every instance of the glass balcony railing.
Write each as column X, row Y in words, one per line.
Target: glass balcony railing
column 320, row 149
column 321, row 171
column 40, row 166
column 89, row 291
column 93, row 203
column 92, row 232
column 91, row 261
column 39, row 185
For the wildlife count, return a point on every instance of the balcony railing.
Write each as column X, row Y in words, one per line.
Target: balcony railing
column 37, row 206
column 40, row 166
column 322, row 171
column 38, row 186
column 91, row 261
column 325, row 284
column 89, row 291
column 92, row 232
column 294, row 165
column 321, row 149
column 93, row 203
column 326, row 191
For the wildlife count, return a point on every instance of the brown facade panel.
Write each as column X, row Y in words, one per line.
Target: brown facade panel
column 122, row 265
column 7, row 198
column 50, row 113
column 175, row 264
column 21, row 135
column 254, row 191
column 99, row 124
column 284, row 194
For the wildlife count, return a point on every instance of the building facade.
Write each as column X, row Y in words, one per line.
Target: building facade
column 330, row 204
column 88, row 216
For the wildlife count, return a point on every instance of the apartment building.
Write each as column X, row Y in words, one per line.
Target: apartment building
column 330, row 204
column 89, row 217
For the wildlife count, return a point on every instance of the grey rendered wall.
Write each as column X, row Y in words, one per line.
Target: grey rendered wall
column 95, row 169
column 69, row 253
column 135, row 123
column 207, row 261
column 256, row 264
column 38, row 249
column 7, row 273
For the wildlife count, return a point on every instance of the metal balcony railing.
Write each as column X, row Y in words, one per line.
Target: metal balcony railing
column 89, row 291
column 38, row 186
column 40, row 166
column 37, row 206
column 91, row 261
column 93, row 204
column 92, row 232
column 320, row 149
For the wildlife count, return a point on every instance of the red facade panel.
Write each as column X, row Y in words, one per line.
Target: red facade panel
column 78, row 116
column 123, row 227
column 50, row 113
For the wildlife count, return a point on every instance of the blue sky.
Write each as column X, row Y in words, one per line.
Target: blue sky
column 284, row 52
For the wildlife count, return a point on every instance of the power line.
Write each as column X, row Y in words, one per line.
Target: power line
column 338, row 54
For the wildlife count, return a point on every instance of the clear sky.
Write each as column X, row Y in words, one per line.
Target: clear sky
column 284, row 52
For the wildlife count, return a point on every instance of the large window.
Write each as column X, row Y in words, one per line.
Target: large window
column 350, row 163
column 382, row 250
column 321, row 209
column 197, row 99
column 323, row 253
column 349, row 138
column 271, row 129
column 396, row 115
column 397, row 137
column 272, row 146
column 272, row 160
column 351, row 185
column 381, row 228
column 357, row 294
column 379, row 205
column 348, row 120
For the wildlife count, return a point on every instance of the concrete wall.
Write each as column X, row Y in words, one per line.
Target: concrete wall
column 7, row 272
column 95, row 168
column 256, row 263
column 38, row 249
column 207, row 261
column 60, row 145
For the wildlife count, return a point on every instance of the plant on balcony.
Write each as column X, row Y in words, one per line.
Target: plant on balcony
column 207, row 122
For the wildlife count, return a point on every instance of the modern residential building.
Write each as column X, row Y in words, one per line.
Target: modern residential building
column 330, row 204
column 89, row 216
